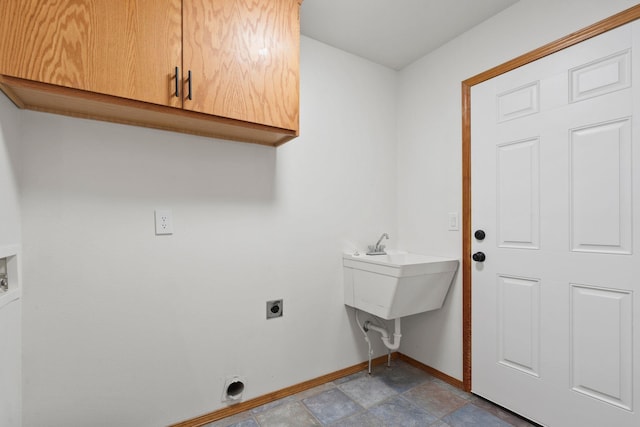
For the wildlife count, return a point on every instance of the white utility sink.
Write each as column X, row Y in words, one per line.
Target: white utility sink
column 397, row 284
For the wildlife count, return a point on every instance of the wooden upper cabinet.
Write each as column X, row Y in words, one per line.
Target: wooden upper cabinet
column 129, row 61
column 243, row 56
column 125, row 48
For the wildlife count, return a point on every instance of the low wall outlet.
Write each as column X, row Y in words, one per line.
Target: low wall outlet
column 274, row 308
column 164, row 222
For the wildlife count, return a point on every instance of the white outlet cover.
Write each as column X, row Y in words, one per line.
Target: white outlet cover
column 164, row 222
column 454, row 221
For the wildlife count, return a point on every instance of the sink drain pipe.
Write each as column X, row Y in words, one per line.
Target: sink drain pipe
column 385, row 335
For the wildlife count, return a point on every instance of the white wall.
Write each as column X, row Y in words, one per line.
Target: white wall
column 429, row 146
column 10, row 239
column 122, row 327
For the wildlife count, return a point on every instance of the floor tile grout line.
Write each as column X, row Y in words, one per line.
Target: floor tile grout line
column 309, row 412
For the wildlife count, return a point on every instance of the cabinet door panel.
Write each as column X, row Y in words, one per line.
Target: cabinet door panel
column 243, row 56
column 125, row 48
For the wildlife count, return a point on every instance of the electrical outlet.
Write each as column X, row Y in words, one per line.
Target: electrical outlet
column 164, row 222
column 274, row 308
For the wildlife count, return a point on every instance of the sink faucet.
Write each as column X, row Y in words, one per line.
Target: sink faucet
column 378, row 249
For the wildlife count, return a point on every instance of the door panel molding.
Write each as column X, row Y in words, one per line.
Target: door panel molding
column 601, row 76
column 518, row 194
column 601, row 215
column 519, row 102
column 586, row 33
column 518, row 311
column 601, row 345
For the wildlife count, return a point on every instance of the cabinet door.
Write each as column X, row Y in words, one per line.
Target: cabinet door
column 126, row 48
column 243, row 56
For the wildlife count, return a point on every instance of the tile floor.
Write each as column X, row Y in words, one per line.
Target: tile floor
column 398, row 396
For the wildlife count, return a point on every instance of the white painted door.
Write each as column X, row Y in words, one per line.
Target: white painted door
column 555, row 158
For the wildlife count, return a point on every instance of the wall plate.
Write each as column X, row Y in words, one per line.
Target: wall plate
column 274, row 308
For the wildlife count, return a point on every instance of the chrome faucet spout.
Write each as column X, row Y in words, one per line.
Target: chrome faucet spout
column 378, row 249
column 384, row 236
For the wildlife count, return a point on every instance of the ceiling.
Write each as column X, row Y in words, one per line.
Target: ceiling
column 393, row 32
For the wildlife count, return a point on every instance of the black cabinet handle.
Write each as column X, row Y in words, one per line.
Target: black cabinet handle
column 479, row 257
column 177, row 82
column 189, row 85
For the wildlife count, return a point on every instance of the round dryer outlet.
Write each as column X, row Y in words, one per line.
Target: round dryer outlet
column 274, row 308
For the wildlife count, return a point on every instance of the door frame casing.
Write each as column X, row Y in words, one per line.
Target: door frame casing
column 572, row 39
